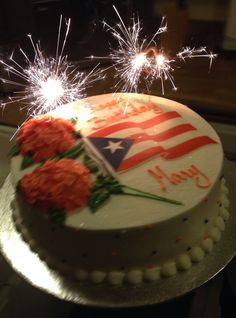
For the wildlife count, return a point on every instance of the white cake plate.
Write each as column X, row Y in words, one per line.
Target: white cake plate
column 36, row 272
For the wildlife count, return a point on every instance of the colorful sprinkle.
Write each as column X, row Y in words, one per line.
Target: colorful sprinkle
column 178, row 239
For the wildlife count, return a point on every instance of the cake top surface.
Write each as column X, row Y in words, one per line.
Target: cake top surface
column 151, row 145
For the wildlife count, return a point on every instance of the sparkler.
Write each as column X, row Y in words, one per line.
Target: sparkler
column 48, row 81
column 136, row 58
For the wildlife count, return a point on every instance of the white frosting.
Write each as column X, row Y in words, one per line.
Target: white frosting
column 97, row 277
column 197, row 254
column 207, row 245
column 224, row 201
column 152, row 274
column 215, row 234
column 224, row 213
column 134, row 276
column 168, row 269
column 132, row 239
column 116, row 277
column 183, row 262
column 220, row 223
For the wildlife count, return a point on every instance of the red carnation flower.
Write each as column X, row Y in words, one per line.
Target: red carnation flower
column 45, row 137
column 57, row 184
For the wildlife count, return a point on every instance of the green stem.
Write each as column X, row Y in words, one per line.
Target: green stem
column 144, row 194
column 73, row 152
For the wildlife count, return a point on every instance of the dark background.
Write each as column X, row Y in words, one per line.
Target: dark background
column 41, row 18
column 191, row 23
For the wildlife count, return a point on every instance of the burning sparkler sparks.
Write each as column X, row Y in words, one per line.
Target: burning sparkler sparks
column 49, row 82
column 136, row 58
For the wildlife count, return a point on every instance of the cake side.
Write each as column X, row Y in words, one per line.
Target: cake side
column 132, row 256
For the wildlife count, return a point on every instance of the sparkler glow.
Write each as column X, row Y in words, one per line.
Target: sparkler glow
column 49, row 82
column 136, row 58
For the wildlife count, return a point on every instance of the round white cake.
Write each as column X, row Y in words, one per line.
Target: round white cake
column 151, row 198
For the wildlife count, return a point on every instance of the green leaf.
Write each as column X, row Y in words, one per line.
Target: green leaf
column 90, row 164
column 114, row 186
column 77, row 134
column 73, row 152
column 14, row 151
column 57, row 216
column 97, row 198
column 108, row 182
column 73, row 120
column 116, row 189
column 104, row 186
column 26, row 162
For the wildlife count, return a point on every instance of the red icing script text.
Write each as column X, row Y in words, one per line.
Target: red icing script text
column 119, row 110
column 163, row 178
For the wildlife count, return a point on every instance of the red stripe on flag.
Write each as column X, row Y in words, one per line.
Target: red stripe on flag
column 171, row 153
column 167, row 134
column 186, row 147
column 144, row 125
column 139, row 158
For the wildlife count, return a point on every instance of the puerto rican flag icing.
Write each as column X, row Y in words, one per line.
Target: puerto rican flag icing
column 130, row 142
